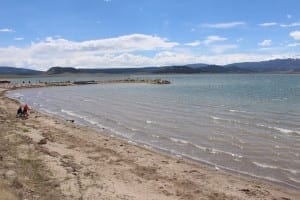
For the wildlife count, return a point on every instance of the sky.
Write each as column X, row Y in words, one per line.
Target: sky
column 40, row 34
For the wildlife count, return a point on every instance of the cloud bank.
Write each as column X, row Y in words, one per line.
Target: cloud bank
column 135, row 50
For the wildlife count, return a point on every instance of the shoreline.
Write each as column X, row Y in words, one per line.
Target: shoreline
column 83, row 163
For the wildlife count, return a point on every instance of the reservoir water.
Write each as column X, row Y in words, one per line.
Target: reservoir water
column 247, row 124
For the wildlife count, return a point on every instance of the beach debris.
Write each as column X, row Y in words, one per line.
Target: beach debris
column 43, row 141
column 4, row 81
column 84, row 82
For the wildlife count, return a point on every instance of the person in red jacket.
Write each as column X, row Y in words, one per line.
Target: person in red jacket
column 26, row 110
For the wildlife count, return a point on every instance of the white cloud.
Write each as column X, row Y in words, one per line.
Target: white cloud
column 289, row 16
column 18, row 38
column 127, row 43
column 295, row 35
column 268, row 24
column 265, row 43
column 290, row 25
column 124, row 51
column 222, row 48
column 7, row 30
column 293, row 44
column 103, row 52
column 224, row 25
column 208, row 41
column 213, row 38
column 193, row 44
column 20, row 57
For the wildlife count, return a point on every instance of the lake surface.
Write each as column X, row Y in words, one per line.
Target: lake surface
column 247, row 124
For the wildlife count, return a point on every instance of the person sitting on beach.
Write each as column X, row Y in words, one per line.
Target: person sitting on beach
column 19, row 112
column 26, row 110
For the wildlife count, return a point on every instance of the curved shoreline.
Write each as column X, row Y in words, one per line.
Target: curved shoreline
column 87, row 164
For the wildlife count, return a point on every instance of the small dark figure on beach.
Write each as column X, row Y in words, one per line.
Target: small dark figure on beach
column 19, row 112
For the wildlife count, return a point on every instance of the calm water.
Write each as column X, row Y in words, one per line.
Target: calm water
column 248, row 124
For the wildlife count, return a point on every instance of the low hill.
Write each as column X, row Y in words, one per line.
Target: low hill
column 61, row 70
column 271, row 66
column 4, row 70
column 150, row 70
column 277, row 65
column 203, row 69
column 64, row 70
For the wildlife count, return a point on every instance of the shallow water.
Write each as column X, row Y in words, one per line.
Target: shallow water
column 248, row 124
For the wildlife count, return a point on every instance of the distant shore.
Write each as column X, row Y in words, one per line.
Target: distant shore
column 46, row 158
column 28, row 84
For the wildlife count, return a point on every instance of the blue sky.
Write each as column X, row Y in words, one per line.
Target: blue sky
column 130, row 33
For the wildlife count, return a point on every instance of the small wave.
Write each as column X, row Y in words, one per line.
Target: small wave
column 149, row 122
column 70, row 113
column 48, row 111
column 282, row 130
column 131, row 142
column 229, row 120
column 286, row 130
column 96, row 124
column 216, row 151
column 156, row 136
column 294, row 180
column 238, row 111
column 179, row 141
column 200, row 147
column 215, row 118
column 210, row 150
column 266, row 166
column 276, row 99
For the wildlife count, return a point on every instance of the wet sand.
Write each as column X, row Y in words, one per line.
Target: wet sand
column 46, row 158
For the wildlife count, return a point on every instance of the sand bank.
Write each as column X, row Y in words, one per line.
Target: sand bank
column 47, row 158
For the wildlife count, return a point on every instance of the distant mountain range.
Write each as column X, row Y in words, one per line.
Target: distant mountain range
column 278, row 65
column 271, row 66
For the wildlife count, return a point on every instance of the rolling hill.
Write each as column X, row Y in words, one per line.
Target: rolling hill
column 272, row 66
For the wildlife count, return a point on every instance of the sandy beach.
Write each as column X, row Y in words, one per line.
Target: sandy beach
column 46, row 158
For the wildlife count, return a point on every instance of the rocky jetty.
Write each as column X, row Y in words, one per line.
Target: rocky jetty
column 70, row 83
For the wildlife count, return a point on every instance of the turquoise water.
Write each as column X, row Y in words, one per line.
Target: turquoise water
column 247, row 124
